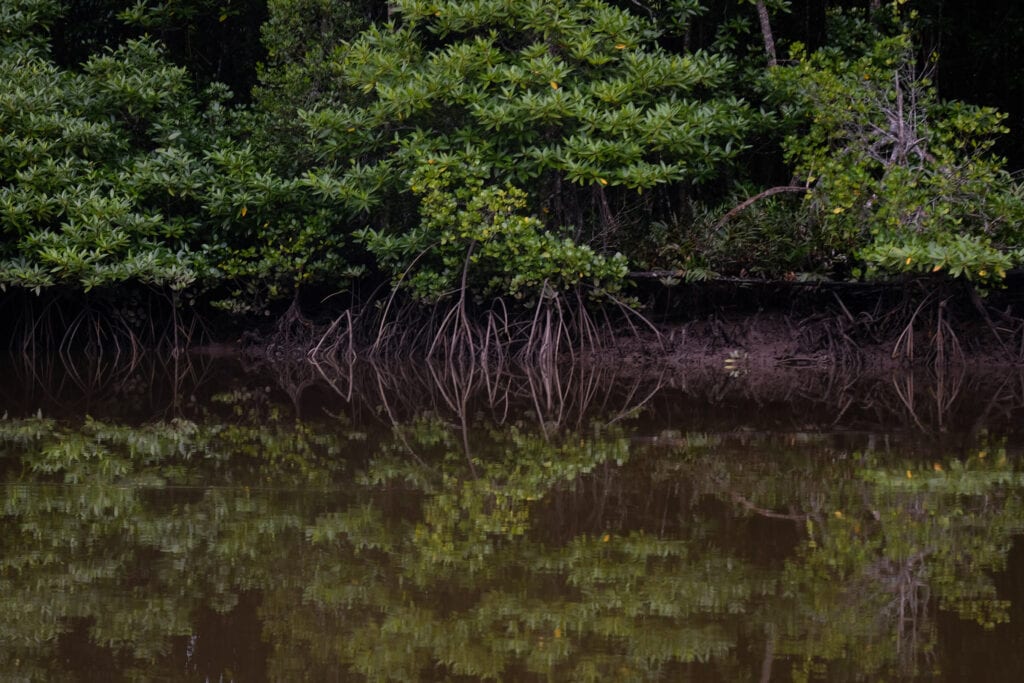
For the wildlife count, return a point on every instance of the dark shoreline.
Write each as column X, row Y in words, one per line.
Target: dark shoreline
column 728, row 323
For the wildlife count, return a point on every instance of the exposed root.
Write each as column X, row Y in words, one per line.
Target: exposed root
column 925, row 326
column 557, row 326
column 116, row 328
column 904, row 346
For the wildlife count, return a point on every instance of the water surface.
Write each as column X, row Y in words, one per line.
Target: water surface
column 197, row 519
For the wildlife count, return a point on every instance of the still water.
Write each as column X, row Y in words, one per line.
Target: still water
column 201, row 520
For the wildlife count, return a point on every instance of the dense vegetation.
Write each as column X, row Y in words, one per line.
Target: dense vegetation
column 487, row 160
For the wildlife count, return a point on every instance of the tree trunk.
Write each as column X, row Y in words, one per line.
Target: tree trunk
column 766, row 32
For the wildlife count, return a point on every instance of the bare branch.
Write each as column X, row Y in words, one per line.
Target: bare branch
column 780, row 189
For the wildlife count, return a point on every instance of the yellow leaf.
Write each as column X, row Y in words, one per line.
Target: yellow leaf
column 907, row 262
column 620, row 46
column 838, row 210
column 602, row 181
column 982, row 273
column 244, row 211
column 910, row 475
column 558, row 632
column 937, row 467
column 606, row 538
column 554, row 85
column 223, row 17
column 838, row 514
column 937, row 268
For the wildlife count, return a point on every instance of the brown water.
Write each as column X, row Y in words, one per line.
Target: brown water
column 201, row 520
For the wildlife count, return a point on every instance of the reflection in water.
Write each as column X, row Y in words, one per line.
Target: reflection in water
column 435, row 524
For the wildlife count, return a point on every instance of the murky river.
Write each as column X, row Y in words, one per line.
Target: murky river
column 199, row 520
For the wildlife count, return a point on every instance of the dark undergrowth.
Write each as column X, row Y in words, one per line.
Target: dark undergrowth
column 919, row 321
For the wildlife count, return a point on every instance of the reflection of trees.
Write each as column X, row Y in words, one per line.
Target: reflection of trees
column 121, row 541
column 510, row 549
column 108, row 535
column 885, row 538
column 461, row 587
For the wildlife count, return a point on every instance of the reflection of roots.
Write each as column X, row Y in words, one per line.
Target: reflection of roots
column 555, row 396
column 101, row 344
column 933, row 401
column 128, row 382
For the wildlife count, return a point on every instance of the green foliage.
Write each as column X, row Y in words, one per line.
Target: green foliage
column 268, row 235
column 555, row 95
column 116, row 173
column 96, row 170
column 23, row 24
column 498, row 149
column 212, row 39
column 477, row 236
column 300, row 37
column 773, row 238
column 898, row 178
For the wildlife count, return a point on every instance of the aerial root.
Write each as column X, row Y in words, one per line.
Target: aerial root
column 558, row 326
column 115, row 328
column 926, row 326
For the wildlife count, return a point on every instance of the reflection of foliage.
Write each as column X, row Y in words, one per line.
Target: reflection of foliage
column 498, row 553
column 622, row 605
column 108, row 528
column 883, row 542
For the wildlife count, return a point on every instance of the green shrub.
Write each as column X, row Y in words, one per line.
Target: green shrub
column 478, row 236
column 897, row 177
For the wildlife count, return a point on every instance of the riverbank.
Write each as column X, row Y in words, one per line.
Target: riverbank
column 775, row 340
column 729, row 323
column 743, row 324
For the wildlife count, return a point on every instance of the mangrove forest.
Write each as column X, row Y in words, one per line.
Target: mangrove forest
column 498, row 179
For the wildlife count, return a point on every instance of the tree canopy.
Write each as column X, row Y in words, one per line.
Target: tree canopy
column 493, row 149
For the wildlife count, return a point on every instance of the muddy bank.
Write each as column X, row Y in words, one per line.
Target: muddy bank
column 779, row 341
column 724, row 324
column 730, row 324
column 851, row 326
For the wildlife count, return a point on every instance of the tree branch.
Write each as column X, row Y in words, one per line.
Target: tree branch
column 766, row 33
column 757, row 197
